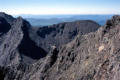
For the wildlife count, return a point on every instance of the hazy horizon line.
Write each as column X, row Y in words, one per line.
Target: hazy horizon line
column 62, row 14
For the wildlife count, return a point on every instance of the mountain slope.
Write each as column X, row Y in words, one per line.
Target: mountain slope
column 60, row 34
column 92, row 56
column 23, row 46
column 79, row 52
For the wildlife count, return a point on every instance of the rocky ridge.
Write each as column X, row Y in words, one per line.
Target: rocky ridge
column 91, row 56
column 79, row 50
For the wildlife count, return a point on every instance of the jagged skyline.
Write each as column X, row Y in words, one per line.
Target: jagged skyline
column 60, row 6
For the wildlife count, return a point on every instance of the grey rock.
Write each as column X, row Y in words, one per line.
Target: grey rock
column 60, row 34
column 76, row 51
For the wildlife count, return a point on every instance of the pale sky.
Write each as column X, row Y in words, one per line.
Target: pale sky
column 16, row 7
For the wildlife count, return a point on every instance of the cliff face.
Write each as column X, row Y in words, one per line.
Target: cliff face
column 73, row 50
column 16, row 44
column 60, row 34
column 4, row 26
column 17, row 50
column 91, row 56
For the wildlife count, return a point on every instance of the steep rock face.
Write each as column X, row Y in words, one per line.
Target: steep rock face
column 4, row 26
column 60, row 34
column 92, row 56
column 17, row 50
column 28, row 47
column 16, row 45
column 8, row 48
column 23, row 49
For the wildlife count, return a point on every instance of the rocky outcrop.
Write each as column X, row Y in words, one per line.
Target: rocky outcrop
column 73, row 50
column 4, row 26
column 60, row 34
column 92, row 56
column 22, row 46
column 16, row 44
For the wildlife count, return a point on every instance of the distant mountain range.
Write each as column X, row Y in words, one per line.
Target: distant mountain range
column 44, row 20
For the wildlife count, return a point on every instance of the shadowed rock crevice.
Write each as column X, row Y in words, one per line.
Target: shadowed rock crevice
column 54, row 56
column 4, row 26
column 45, row 31
column 29, row 47
column 2, row 73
